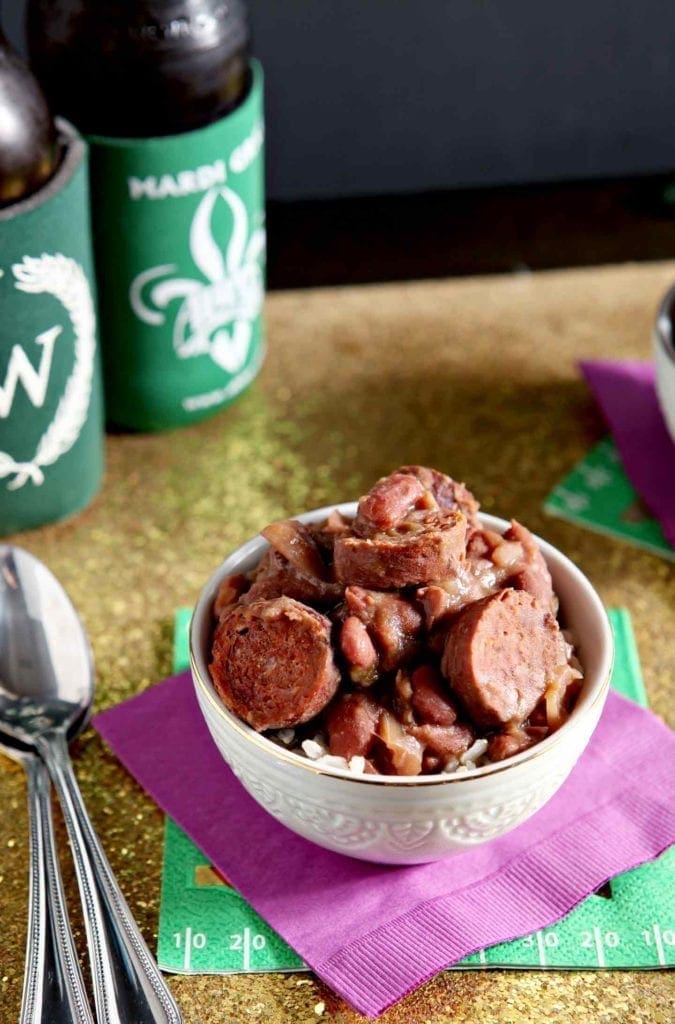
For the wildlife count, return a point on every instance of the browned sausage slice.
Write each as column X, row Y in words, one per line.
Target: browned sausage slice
column 272, row 662
column 423, row 547
column 500, row 655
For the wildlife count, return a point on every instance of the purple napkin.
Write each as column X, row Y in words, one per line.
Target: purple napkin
column 625, row 392
column 375, row 933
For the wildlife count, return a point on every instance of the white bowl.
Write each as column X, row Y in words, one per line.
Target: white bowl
column 664, row 359
column 402, row 819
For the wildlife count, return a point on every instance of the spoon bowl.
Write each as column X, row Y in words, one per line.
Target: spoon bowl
column 46, row 667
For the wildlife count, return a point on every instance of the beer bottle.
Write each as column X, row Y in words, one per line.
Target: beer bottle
column 28, row 146
column 172, row 108
column 140, row 67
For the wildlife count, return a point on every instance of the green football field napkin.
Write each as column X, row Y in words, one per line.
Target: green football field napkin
column 598, row 495
column 390, row 929
column 207, row 927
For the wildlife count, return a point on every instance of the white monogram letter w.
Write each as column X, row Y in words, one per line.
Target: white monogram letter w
column 21, row 369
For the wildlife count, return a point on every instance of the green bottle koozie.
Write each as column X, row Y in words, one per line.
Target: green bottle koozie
column 179, row 227
column 51, row 418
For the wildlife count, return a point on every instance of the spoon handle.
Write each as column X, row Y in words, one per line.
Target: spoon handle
column 53, row 989
column 128, row 985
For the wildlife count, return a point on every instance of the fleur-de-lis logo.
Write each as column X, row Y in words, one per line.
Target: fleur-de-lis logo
column 214, row 318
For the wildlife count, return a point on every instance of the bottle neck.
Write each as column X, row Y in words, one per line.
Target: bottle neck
column 156, row 27
column 29, row 152
column 117, row 67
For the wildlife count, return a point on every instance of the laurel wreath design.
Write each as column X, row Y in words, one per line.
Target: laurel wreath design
column 63, row 278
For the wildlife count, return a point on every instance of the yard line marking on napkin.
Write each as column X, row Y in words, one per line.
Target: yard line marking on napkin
column 598, row 946
column 659, row 944
column 188, row 948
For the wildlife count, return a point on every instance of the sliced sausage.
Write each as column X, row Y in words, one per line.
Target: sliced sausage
column 393, row 624
column 500, row 655
column 387, row 503
column 272, row 662
column 422, row 548
column 351, row 724
column 448, row 493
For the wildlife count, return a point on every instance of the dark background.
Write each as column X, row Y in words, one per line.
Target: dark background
column 374, row 96
column 494, row 133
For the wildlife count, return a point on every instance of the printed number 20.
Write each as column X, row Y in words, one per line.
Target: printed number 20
column 237, row 941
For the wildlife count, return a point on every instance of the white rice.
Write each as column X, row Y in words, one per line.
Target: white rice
column 476, row 750
column 332, row 761
column 314, row 750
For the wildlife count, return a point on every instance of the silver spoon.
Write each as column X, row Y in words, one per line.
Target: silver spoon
column 53, row 989
column 46, row 685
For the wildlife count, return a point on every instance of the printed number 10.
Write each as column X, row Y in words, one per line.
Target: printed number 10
column 189, row 940
column 197, row 941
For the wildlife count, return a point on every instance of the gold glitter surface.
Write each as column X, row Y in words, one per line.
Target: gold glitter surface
column 474, row 376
